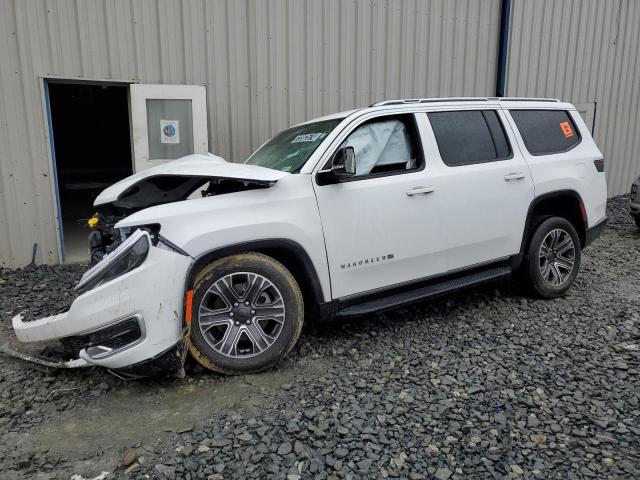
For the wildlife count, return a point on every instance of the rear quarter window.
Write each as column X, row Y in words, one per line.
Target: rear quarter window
column 546, row 132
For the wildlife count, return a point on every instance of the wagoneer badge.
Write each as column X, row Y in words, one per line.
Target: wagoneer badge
column 366, row 261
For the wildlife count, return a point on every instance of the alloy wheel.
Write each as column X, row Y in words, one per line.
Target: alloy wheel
column 241, row 315
column 557, row 257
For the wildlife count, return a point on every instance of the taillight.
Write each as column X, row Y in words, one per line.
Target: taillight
column 599, row 164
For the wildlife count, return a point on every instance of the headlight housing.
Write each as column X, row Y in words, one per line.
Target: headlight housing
column 129, row 255
column 156, row 239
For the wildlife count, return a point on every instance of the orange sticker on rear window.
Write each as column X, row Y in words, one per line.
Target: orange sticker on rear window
column 566, row 129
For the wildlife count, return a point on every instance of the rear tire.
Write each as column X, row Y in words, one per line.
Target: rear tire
column 247, row 314
column 637, row 219
column 552, row 259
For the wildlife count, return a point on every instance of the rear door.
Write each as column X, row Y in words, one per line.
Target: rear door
column 168, row 122
column 485, row 186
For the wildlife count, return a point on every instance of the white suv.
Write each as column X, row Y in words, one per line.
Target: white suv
column 340, row 216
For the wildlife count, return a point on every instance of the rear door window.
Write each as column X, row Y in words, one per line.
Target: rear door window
column 466, row 137
column 546, row 131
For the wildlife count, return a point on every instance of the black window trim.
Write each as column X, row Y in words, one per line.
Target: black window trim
column 415, row 133
column 491, row 132
column 555, row 152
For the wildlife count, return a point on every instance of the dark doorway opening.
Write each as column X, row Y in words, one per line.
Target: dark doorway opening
column 91, row 139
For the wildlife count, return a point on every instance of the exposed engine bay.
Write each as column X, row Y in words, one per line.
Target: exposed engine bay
column 157, row 190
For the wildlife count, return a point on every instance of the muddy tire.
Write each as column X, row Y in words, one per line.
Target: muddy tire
column 247, row 314
column 552, row 259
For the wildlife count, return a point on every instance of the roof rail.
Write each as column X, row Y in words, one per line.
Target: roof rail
column 409, row 101
column 526, row 99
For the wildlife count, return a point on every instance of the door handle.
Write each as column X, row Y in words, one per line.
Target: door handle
column 420, row 191
column 514, row 176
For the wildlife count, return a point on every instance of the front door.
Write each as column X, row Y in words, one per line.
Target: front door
column 168, row 122
column 382, row 227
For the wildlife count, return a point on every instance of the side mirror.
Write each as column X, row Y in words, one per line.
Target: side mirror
column 344, row 162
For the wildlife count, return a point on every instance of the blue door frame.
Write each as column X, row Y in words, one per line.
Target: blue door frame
column 54, row 168
column 52, row 147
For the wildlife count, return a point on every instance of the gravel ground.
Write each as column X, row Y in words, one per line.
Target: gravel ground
column 483, row 384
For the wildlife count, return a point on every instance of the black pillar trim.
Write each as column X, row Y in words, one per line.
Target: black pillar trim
column 503, row 47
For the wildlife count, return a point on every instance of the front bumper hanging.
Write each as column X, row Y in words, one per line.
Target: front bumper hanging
column 8, row 349
column 126, row 321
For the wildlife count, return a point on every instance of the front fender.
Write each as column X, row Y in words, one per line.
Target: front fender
column 287, row 210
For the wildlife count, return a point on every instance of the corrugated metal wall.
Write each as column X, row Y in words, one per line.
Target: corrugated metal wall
column 584, row 51
column 266, row 65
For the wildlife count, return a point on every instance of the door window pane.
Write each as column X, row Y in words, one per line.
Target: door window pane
column 466, row 137
column 383, row 146
column 170, row 128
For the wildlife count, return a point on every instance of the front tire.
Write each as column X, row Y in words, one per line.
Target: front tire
column 552, row 260
column 637, row 219
column 247, row 314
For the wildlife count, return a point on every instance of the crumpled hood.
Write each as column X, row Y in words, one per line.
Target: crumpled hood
column 170, row 181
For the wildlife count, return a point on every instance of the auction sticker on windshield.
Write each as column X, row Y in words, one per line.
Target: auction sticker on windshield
column 308, row 137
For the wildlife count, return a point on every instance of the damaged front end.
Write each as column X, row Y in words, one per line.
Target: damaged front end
column 129, row 307
column 194, row 176
column 128, row 310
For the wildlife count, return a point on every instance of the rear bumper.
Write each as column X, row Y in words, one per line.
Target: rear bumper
column 152, row 294
column 595, row 231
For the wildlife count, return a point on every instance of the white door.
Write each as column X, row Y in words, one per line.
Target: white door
column 168, row 122
column 484, row 184
column 383, row 226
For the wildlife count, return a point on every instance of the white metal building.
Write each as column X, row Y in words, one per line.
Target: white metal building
column 84, row 83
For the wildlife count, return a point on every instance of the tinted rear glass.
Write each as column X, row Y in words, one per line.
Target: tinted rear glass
column 469, row 136
column 546, row 131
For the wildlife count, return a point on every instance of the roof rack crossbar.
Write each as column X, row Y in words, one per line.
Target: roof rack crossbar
column 408, row 101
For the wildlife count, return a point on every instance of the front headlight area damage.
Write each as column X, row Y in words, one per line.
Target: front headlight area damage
column 130, row 255
column 128, row 313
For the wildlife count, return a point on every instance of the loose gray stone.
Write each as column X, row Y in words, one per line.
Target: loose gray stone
column 284, row 448
column 443, row 473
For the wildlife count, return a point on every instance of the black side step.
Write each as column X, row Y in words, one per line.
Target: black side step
column 384, row 302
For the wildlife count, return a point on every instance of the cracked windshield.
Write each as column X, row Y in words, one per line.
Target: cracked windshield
column 289, row 150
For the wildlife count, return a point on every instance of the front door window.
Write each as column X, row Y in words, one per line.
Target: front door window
column 381, row 146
